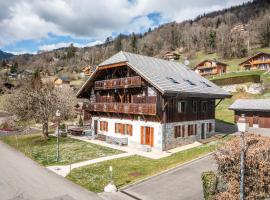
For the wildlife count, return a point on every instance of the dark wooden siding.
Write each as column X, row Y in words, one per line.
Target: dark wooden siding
column 172, row 114
column 255, row 117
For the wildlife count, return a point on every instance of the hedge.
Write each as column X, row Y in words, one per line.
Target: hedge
column 209, row 181
column 254, row 78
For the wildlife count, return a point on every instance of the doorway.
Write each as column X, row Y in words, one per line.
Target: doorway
column 147, row 136
column 95, row 127
column 203, row 131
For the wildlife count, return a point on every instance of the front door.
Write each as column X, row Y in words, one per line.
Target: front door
column 95, row 127
column 203, row 131
column 147, row 135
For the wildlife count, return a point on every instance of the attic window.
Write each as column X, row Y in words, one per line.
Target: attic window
column 190, row 82
column 172, row 80
column 206, row 84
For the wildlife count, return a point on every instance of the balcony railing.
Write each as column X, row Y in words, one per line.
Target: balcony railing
column 134, row 81
column 256, row 62
column 125, row 108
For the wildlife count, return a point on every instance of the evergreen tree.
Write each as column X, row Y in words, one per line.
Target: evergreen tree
column 133, row 43
column 118, row 43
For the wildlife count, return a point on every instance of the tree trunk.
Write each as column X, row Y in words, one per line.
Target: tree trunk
column 45, row 130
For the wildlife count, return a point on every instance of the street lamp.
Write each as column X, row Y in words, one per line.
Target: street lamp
column 110, row 187
column 58, row 114
column 242, row 127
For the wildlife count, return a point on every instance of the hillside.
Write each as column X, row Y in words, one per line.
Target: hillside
column 210, row 35
column 4, row 55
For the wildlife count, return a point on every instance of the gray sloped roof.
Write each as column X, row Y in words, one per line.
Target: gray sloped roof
column 251, row 105
column 168, row 76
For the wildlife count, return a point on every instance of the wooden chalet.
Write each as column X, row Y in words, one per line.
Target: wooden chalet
column 150, row 102
column 210, row 67
column 260, row 60
column 171, row 56
column 256, row 111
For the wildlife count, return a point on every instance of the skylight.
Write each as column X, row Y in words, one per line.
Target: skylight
column 190, row 82
column 206, row 84
column 172, row 80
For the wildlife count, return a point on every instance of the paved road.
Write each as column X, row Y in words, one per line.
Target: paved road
column 23, row 179
column 182, row 183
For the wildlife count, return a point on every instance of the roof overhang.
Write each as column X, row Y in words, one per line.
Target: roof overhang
column 199, row 95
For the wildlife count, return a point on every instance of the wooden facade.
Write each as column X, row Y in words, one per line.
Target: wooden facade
column 259, row 61
column 257, row 119
column 210, row 67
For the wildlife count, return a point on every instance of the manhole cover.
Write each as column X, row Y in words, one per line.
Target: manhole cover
column 135, row 174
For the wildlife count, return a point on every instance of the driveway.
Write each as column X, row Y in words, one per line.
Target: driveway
column 182, row 183
column 23, row 179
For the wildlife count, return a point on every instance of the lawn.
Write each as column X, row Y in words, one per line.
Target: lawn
column 44, row 151
column 130, row 169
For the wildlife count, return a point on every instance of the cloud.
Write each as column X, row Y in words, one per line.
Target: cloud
column 48, row 47
column 91, row 19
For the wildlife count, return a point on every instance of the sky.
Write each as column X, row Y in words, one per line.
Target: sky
column 29, row 26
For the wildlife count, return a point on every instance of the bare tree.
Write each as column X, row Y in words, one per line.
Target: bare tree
column 39, row 102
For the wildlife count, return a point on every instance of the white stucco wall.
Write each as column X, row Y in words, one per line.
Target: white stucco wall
column 135, row 139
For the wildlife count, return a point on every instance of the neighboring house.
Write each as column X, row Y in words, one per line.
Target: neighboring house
column 87, row 71
column 57, row 82
column 210, row 67
column 260, row 60
column 171, row 56
column 150, row 101
column 256, row 111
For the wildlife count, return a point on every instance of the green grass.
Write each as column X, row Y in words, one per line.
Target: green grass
column 44, row 151
column 130, row 169
column 226, row 115
column 236, row 74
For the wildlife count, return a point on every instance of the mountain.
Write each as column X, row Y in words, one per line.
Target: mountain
column 4, row 55
column 230, row 33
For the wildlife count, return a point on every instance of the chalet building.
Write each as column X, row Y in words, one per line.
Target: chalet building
column 150, row 102
column 256, row 111
column 171, row 56
column 210, row 67
column 87, row 71
column 260, row 60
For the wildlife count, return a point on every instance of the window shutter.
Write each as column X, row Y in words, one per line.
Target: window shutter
column 142, row 134
column 152, row 136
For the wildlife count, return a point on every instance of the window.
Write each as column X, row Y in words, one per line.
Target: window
column 103, row 126
column 195, row 106
column 124, row 129
column 129, row 129
column 181, row 106
column 192, row 129
column 190, row 82
column 172, row 80
column 179, row 131
column 204, row 106
column 209, row 127
column 206, row 84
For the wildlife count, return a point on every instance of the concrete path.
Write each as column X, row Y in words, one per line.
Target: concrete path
column 154, row 154
column 23, row 179
column 64, row 170
column 182, row 183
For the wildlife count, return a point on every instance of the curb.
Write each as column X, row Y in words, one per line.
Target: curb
column 164, row 172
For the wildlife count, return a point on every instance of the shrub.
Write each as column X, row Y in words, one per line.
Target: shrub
column 209, row 181
column 257, row 168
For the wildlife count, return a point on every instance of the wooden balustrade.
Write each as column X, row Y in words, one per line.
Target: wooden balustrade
column 134, row 81
column 126, row 108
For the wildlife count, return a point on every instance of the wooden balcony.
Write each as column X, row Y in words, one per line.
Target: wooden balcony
column 257, row 62
column 125, row 108
column 134, row 81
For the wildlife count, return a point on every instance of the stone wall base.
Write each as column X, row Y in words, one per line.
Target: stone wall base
column 169, row 140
